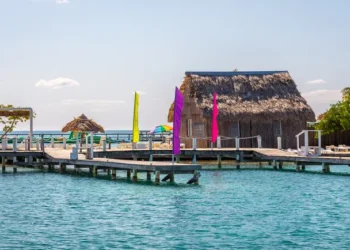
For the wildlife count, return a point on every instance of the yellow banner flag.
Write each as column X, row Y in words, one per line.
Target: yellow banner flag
column 135, row 126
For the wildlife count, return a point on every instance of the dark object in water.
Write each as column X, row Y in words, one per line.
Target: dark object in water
column 167, row 177
column 195, row 178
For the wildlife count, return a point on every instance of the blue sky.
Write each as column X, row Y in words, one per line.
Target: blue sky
column 67, row 57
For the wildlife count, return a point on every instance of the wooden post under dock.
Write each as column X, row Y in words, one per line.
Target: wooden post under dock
column 148, row 176
column 134, row 175
column 128, row 174
column 3, row 164
column 280, row 164
column 219, row 161
column 157, row 178
column 274, row 163
column 114, row 173
column 325, row 168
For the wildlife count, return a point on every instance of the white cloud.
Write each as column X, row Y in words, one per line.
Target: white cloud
column 62, row 1
column 57, row 83
column 93, row 102
column 316, row 82
column 322, row 96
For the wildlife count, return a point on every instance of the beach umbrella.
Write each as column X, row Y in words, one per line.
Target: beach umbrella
column 83, row 124
column 161, row 129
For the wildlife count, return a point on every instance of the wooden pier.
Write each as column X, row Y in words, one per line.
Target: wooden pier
column 135, row 161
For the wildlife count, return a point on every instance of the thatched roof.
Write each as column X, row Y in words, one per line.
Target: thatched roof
column 248, row 95
column 83, row 124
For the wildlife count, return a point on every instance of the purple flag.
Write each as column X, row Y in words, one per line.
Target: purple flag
column 178, row 106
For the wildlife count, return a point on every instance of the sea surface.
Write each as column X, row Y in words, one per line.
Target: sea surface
column 247, row 209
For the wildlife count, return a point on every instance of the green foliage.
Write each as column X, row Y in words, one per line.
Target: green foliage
column 337, row 117
column 10, row 122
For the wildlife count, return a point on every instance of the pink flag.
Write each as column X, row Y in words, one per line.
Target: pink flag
column 214, row 122
column 178, row 106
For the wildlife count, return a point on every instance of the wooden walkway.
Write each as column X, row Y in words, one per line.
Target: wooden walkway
column 60, row 156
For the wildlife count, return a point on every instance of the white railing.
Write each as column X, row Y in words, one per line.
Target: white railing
column 306, row 141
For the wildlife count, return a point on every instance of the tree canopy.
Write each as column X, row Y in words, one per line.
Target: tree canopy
column 337, row 117
column 10, row 122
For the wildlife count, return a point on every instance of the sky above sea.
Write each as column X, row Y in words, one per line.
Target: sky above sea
column 67, row 57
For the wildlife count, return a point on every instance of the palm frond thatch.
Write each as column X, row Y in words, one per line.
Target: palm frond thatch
column 246, row 95
column 83, row 124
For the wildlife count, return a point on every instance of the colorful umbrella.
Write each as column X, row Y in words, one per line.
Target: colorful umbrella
column 160, row 129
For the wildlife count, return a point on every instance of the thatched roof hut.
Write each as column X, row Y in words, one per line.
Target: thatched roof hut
column 243, row 97
column 83, row 124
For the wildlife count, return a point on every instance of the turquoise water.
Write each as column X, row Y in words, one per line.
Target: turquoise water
column 249, row 209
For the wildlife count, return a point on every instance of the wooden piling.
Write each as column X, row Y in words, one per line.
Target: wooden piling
column 128, row 174
column 148, row 176
column 194, row 159
column 177, row 158
column 157, row 178
column 302, row 167
column 94, row 170
column 274, row 162
column 219, row 161
column 172, row 178
column 280, row 165
column 325, row 168
column 14, row 160
column 298, row 168
column 3, row 164
column 62, row 168
column 114, row 174
column 134, row 175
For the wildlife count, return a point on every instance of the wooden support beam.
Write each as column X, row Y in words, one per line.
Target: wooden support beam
column 128, row 174
column 274, row 162
column 177, row 158
column 157, row 178
column 219, row 161
column 148, row 176
column 94, row 170
column 325, row 168
column 134, row 175
column 280, row 164
column 3, row 164
column 114, row 173
column 172, row 178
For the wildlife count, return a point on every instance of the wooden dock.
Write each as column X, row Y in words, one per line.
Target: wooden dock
column 143, row 160
column 61, row 157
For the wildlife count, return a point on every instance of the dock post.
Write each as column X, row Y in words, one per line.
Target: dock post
column 325, row 168
column 237, row 143
column 238, row 159
column 62, row 168
column 172, row 178
column 274, row 164
column 15, row 144
column 148, row 176
column 177, row 157
column 259, row 141
column 219, row 161
column 14, row 160
column 260, row 164
column 280, row 165
column 134, row 175
column 194, row 143
column 114, row 174
column 94, row 170
column 218, row 142
column 3, row 164
column 302, row 167
column 134, row 157
column 64, row 142
column 297, row 167
column 37, row 143
column 194, row 159
column 157, row 178
column 150, row 147
column 128, row 174
column 52, row 142
column 4, row 143
column 279, row 142
column 104, row 144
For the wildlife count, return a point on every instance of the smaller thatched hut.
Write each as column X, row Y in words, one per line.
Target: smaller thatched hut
column 265, row 103
column 83, row 124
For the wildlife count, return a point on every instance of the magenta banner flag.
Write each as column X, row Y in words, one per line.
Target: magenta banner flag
column 214, row 122
column 178, row 106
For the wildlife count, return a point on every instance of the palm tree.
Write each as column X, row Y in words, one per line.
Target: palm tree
column 345, row 92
